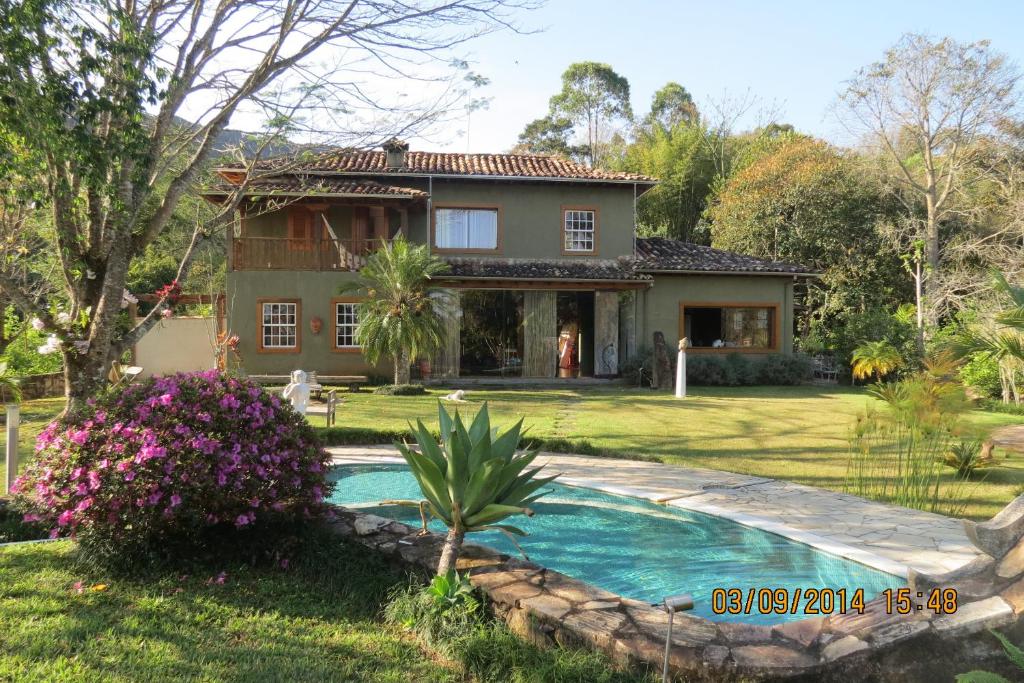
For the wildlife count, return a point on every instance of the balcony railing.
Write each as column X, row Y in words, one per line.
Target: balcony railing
column 284, row 253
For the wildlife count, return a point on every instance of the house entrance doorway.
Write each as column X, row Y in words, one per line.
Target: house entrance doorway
column 575, row 314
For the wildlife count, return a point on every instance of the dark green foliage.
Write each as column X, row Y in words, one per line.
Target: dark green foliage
column 353, row 436
column 875, row 324
column 738, row 370
column 14, row 528
column 782, row 369
column 981, row 373
column 401, row 390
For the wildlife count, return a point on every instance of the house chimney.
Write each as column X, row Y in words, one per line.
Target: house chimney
column 395, row 150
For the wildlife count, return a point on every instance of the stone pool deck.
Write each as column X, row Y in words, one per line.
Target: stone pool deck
column 888, row 538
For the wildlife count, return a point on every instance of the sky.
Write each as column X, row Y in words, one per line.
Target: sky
column 793, row 56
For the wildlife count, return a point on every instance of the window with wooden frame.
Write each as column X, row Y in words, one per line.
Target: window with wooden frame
column 346, row 320
column 466, row 228
column 300, row 229
column 730, row 327
column 279, row 329
column 579, row 230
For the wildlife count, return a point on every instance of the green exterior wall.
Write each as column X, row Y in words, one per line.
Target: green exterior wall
column 531, row 228
column 658, row 307
column 531, row 215
column 315, row 290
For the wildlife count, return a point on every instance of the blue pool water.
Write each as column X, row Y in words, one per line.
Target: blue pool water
column 636, row 548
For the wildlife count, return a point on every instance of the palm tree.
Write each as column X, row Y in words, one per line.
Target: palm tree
column 877, row 358
column 1002, row 339
column 472, row 480
column 399, row 316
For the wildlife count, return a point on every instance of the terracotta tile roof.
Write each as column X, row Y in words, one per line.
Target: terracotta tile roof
column 450, row 163
column 543, row 269
column 663, row 254
column 307, row 185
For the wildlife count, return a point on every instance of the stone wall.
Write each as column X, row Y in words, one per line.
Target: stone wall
column 549, row 608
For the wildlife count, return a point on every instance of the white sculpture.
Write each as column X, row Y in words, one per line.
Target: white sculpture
column 298, row 392
column 458, row 396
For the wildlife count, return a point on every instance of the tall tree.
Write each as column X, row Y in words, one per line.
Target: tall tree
column 925, row 108
column 672, row 105
column 548, row 135
column 594, row 97
column 683, row 163
column 92, row 134
column 799, row 200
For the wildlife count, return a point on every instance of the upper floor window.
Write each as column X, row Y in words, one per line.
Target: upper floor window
column 279, row 325
column 579, row 230
column 466, row 228
column 346, row 320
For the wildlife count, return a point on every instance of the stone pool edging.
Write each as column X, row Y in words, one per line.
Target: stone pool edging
column 550, row 608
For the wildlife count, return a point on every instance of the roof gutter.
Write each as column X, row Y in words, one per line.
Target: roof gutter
column 459, row 176
column 542, row 279
column 728, row 272
column 345, row 195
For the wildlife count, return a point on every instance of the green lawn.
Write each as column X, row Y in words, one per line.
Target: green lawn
column 794, row 433
column 321, row 620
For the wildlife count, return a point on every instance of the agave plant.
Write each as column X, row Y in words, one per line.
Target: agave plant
column 473, row 479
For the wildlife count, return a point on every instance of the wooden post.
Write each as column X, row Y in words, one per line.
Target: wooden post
column 13, row 419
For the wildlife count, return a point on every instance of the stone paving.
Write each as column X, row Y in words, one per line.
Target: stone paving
column 885, row 537
column 1011, row 438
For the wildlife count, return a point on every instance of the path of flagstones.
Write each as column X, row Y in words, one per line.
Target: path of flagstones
column 881, row 536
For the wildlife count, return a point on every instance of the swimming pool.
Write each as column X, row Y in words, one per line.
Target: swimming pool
column 636, row 548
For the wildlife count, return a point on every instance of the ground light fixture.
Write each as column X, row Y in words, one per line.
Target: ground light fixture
column 673, row 604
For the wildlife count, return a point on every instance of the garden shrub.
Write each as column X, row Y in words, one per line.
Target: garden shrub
column 981, row 373
column 738, row 370
column 706, row 370
column 183, row 464
column 782, row 369
column 401, row 390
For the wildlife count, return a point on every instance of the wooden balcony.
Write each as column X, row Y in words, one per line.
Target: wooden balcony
column 284, row 253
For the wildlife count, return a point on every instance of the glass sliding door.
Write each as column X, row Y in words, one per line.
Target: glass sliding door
column 492, row 333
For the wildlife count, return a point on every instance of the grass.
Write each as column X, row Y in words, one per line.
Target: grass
column 793, row 433
column 319, row 621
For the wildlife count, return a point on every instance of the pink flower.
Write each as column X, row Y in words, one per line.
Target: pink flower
column 65, row 518
column 166, row 313
column 175, row 500
column 79, row 436
column 166, row 399
column 31, row 517
column 77, row 586
column 241, row 520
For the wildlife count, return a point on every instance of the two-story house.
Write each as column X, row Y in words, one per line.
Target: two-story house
column 547, row 276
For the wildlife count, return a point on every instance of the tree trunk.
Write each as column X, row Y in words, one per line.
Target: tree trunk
column 84, row 377
column 450, row 552
column 402, row 367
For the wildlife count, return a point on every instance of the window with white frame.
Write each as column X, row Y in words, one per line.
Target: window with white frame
column 457, row 228
column 280, row 329
column 346, row 319
column 579, row 229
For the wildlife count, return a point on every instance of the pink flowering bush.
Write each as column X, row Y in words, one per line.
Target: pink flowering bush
column 173, row 462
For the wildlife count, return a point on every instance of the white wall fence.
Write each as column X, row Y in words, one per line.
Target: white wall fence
column 180, row 344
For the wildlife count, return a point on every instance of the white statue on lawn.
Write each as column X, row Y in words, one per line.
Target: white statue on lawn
column 298, row 392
